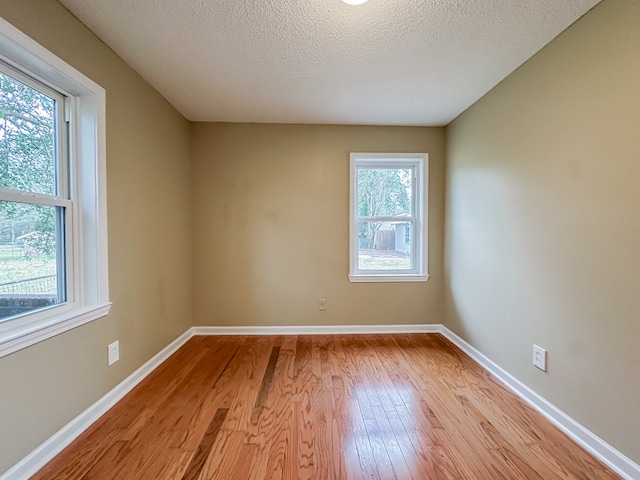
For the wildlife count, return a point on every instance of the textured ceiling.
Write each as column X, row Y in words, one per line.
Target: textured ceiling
column 391, row 62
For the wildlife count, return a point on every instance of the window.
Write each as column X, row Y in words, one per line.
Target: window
column 53, row 251
column 388, row 239
column 34, row 195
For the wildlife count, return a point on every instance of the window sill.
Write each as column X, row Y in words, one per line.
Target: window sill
column 387, row 278
column 22, row 336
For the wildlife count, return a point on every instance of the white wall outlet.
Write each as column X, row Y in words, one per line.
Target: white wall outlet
column 113, row 352
column 540, row 358
column 322, row 304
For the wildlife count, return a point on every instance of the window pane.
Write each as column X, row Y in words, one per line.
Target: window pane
column 27, row 138
column 384, row 192
column 385, row 246
column 31, row 257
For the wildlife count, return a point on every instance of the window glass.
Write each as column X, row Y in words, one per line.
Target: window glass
column 27, row 138
column 382, row 246
column 384, row 192
column 31, row 258
column 32, row 240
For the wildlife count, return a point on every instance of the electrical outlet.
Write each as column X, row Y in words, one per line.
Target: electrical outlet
column 540, row 358
column 113, row 352
column 322, row 304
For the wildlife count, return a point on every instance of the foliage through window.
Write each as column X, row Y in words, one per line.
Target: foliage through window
column 386, row 208
column 33, row 195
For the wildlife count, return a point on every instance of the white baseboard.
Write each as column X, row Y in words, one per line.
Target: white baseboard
column 39, row 457
column 597, row 447
column 618, row 462
column 316, row 330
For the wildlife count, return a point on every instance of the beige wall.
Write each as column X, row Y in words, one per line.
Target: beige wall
column 271, row 218
column 46, row 385
column 543, row 222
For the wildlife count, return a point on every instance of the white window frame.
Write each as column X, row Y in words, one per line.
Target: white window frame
column 61, row 197
column 86, row 242
column 419, row 163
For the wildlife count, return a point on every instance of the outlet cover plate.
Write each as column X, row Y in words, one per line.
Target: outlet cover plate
column 540, row 358
column 114, row 352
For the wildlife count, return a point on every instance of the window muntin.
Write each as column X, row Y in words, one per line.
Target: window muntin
column 387, row 231
column 34, row 200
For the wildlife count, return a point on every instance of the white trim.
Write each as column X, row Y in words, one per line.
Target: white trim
column 21, row 45
column 387, row 278
column 615, row 460
column 419, row 163
column 54, row 325
column 51, row 447
column 316, row 330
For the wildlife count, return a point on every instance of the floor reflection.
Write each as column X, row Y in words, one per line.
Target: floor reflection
column 383, row 428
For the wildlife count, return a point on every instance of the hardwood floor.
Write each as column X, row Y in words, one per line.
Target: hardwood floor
column 324, row 407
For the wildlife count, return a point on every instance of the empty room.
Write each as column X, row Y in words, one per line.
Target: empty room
column 328, row 239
